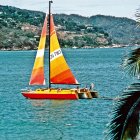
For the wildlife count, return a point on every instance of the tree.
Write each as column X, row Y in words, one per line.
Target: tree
column 132, row 63
column 138, row 15
column 124, row 124
column 125, row 121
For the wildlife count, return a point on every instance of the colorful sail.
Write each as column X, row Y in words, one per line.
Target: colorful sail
column 60, row 72
column 37, row 76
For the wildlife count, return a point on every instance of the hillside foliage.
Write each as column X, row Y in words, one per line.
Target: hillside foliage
column 20, row 29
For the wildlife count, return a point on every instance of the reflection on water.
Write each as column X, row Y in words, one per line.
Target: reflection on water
column 51, row 103
column 51, row 112
column 37, row 103
column 46, row 110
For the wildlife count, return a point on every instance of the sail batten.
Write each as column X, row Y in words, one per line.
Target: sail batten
column 37, row 76
column 60, row 72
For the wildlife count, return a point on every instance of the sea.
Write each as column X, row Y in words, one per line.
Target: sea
column 85, row 119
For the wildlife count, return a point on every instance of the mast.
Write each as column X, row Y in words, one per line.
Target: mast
column 49, row 41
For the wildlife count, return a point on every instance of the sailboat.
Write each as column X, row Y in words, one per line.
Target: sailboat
column 59, row 71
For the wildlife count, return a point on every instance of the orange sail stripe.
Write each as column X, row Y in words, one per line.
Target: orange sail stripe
column 42, row 41
column 37, row 76
column 60, row 71
column 65, row 77
column 52, row 28
column 44, row 29
column 58, row 66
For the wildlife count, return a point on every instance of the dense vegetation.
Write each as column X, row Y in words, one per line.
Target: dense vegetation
column 20, row 29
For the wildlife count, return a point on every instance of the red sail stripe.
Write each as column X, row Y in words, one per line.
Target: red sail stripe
column 53, row 32
column 52, row 24
column 37, row 76
column 65, row 77
column 43, row 33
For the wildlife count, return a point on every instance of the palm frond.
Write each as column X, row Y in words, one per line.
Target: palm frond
column 131, row 63
column 124, row 124
column 138, row 16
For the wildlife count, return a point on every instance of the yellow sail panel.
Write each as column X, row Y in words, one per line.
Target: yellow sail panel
column 37, row 76
column 60, row 72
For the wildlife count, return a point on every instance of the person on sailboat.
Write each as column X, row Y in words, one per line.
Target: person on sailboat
column 91, row 86
column 78, row 89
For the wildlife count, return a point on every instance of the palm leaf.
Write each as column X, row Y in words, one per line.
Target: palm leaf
column 138, row 16
column 131, row 63
column 124, row 124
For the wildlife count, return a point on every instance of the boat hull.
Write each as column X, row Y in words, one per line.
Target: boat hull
column 55, row 95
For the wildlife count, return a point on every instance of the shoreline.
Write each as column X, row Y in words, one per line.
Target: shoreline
column 85, row 47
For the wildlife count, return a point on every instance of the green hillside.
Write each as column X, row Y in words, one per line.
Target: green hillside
column 20, row 30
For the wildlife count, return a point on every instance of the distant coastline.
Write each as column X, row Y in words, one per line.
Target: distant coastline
column 86, row 47
column 21, row 29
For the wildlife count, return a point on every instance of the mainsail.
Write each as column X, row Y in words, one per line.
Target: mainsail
column 37, row 76
column 60, row 72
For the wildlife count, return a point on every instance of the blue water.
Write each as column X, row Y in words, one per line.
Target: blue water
column 23, row 119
